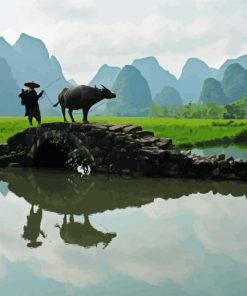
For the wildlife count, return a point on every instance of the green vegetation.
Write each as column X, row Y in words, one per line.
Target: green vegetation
column 196, row 111
column 184, row 132
column 211, row 110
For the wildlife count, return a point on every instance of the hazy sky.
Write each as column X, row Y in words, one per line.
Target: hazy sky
column 84, row 34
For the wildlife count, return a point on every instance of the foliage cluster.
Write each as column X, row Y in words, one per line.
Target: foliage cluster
column 235, row 110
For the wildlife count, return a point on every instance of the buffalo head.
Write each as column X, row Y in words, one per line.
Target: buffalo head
column 107, row 94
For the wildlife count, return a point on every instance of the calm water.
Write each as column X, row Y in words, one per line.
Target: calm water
column 114, row 236
column 238, row 152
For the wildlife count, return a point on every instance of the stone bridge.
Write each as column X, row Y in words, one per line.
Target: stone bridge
column 121, row 149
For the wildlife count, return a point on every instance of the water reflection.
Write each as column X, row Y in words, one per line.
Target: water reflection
column 32, row 229
column 184, row 237
column 237, row 152
column 67, row 194
column 3, row 188
column 84, row 235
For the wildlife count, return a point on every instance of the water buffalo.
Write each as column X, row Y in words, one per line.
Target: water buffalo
column 82, row 97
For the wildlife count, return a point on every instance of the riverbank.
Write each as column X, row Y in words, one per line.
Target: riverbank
column 185, row 133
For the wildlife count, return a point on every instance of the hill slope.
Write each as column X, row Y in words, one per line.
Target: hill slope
column 29, row 60
column 190, row 83
column 9, row 90
column 133, row 94
column 169, row 96
column 156, row 76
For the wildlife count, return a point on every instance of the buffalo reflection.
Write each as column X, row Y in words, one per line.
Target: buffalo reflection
column 84, row 235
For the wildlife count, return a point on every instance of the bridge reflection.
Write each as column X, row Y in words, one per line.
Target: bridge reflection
column 65, row 193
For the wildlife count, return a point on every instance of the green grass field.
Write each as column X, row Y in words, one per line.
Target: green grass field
column 184, row 132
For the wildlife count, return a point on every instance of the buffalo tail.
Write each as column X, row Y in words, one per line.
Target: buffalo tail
column 55, row 105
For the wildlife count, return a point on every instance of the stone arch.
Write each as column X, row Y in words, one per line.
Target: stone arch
column 45, row 151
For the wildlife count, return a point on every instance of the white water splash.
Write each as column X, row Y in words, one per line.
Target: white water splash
column 84, row 170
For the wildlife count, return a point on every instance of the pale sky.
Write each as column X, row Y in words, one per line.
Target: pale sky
column 84, row 34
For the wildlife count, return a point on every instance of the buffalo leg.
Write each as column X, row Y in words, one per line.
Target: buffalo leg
column 71, row 115
column 64, row 117
column 85, row 113
column 30, row 119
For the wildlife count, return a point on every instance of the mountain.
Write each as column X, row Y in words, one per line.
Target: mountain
column 212, row 92
column 73, row 82
column 9, row 90
column 190, row 83
column 232, row 87
column 133, row 94
column 156, row 76
column 234, row 83
column 242, row 60
column 106, row 75
column 169, row 96
column 29, row 60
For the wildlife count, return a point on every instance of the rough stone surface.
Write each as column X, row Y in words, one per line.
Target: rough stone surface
column 122, row 149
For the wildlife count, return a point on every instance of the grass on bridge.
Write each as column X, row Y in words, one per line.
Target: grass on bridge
column 184, row 132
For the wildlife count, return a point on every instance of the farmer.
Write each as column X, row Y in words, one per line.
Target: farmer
column 32, row 229
column 30, row 101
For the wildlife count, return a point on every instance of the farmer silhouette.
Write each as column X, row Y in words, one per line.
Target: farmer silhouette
column 32, row 229
column 29, row 98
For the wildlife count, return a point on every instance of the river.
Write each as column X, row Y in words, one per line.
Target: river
column 110, row 235
column 238, row 152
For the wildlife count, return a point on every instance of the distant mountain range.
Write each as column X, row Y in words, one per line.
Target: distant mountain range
column 197, row 82
column 192, row 77
column 169, row 96
column 106, row 75
column 156, row 76
column 136, row 85
column 232, row 87
column 133, row 94
column 28, row 59
column 10, row 103
column 242, row 60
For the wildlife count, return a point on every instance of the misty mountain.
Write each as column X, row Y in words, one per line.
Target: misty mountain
column 106, row 75
column 242, row 60
column 156, row 76
column 133, row 94
column 73, row 82
column 169, row 96
column 212, row 92
column 234, row 83
column 190, row 83
column 29, row 60
column 232, row 87
column 9, row 90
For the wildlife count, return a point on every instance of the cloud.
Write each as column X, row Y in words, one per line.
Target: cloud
column 66, row 10
column 86, row 34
